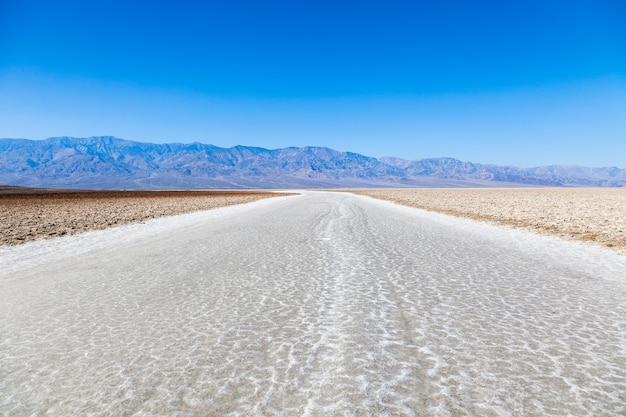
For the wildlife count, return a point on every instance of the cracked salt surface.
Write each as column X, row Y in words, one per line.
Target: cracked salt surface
column 320, row 304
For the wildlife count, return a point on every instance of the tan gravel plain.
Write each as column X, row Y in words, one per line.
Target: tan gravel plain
column 32, row 214
column 587, row 214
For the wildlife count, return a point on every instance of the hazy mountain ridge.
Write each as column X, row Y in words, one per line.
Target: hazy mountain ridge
column 108, row 162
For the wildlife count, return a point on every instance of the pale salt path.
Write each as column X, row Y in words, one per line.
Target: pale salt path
column 319, row 304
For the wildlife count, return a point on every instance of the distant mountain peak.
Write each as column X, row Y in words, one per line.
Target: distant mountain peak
column 110, row 162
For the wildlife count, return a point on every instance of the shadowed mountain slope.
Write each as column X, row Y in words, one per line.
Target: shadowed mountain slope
column 108, row 162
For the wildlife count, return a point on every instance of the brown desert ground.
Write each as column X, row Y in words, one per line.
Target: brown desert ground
column 587, row 214
column 28, row 214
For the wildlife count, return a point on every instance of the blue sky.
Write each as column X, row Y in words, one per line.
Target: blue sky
column 521, row 83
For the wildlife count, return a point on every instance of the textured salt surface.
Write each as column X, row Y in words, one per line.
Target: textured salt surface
column 588, row 214
column 320, row 304
column 32, row 214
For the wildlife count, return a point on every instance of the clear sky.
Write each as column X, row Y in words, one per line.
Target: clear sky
column 524, row 83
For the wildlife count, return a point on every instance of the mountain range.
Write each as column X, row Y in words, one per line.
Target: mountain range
column 110, row 163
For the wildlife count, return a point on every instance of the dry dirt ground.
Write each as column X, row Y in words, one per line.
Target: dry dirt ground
column 587, row 214
column 31, row 214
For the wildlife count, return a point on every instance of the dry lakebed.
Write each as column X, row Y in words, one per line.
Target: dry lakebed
column 316, row 304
